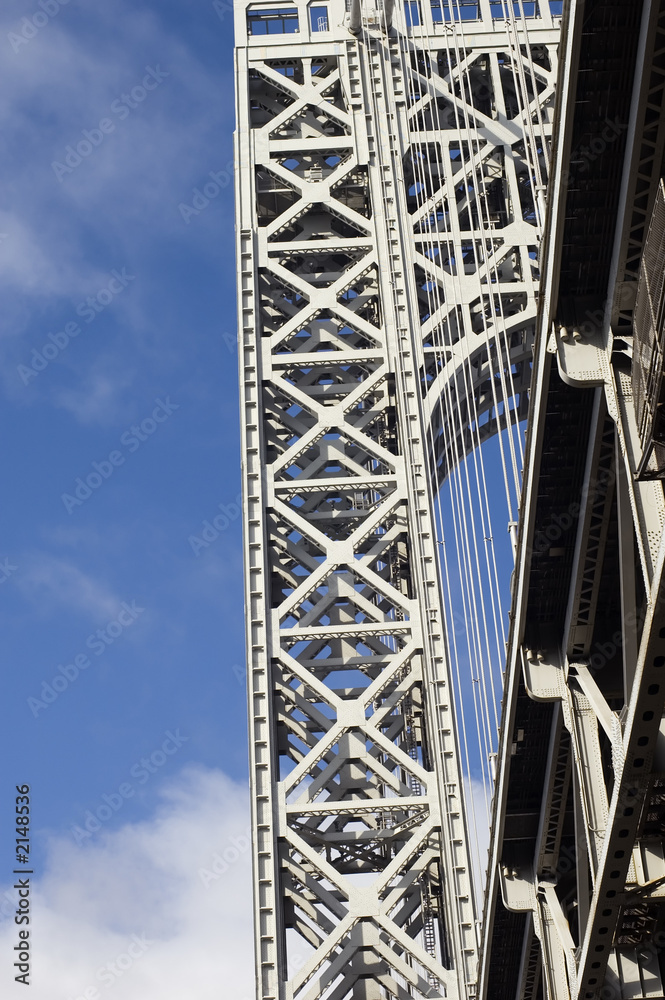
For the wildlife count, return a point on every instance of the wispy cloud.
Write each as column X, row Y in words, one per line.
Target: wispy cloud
column 51, row 583
column 63, row 237
column 161, row 143
column 29, row 268
column 100, row 397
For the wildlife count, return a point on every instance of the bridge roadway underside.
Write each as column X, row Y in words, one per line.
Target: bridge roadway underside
column 575, row 903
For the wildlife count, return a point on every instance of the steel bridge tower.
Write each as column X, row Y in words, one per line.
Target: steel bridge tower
column 391, row 169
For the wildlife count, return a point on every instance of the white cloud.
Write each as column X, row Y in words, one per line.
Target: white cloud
column 144, row 879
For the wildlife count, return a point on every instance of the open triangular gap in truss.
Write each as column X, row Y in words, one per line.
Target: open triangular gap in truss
column 497, row 308
column 362, row 296
column 294, row 557
column 332, row 91
column 478, row 83
column 322, row 67
column 390, row 552
column 336, row 455
column 431, row 296
column 320, row 268
column 366, row 964
column 313, row 906
column 506, row 267
column 267, row 99
column 285, row 420
column 328, row 381
column 355, row 768
column 291, row 69
column 512, row 97
column 365, row 842
column 337, row 512
column 303, row 718
column 353, row 192
column 463, row 258
column 349, row 680
column 393, row 678
column 343, row 597
column 435, row 362
column 327, row 332
column 310, row 122
column 364, row 657
column 424, row 173
column 473, row 84
column 436, row 219
column 398, row 714
column 318, row 222
column 312, row 165
column 449, row 329
column 280, row 301
column 273, row 196
column 420, row 877
column 437, row 114
column 374, row 412
column 414, row 901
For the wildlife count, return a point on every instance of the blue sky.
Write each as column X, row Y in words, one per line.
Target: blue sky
column 118, row 313
column 119, row 431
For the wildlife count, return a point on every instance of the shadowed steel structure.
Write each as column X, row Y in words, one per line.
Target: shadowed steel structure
column 575, row 905
column 391, row 170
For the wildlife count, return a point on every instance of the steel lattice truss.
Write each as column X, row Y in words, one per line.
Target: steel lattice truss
column 371, row 345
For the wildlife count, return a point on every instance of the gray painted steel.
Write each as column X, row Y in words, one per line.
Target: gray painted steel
column 376, row 284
